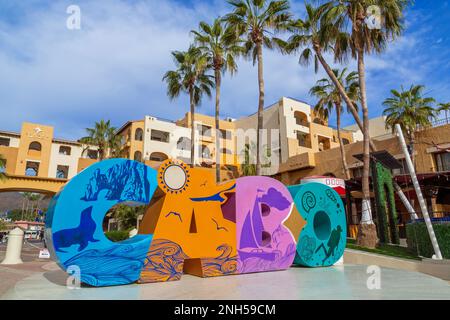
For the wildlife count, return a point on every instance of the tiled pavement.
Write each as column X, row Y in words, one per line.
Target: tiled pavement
column 38, row 279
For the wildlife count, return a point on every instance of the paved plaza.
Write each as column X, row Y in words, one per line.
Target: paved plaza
column 44, row 280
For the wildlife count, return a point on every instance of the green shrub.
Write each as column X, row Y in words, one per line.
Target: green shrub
column 116, row 236
column 419, row 240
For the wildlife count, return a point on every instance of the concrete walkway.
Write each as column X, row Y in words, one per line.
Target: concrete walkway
column 45, row 280
column 348, row 282
column 439, row 269
column 10, row 275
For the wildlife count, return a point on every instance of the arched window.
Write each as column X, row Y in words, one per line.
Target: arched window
column 158, row 156
column 345, row 141
column 138, row 156
column 301, row 118
column 184, row 144
column 139, row 134
column 36, row 146
column 64, row 150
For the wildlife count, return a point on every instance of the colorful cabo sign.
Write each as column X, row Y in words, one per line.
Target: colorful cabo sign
column 195, row 226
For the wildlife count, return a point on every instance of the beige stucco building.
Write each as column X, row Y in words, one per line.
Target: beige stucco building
column 301, row 144
column 292, row 129
column 432, row 166
column 35, row 152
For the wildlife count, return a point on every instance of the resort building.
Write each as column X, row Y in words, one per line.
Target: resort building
column 35, row 152
column 39, row 162
column 304, row 144
column 432, row 161
column 298, row 131
column 377, row 130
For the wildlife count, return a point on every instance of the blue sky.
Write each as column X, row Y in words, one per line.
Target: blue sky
column 112, row 67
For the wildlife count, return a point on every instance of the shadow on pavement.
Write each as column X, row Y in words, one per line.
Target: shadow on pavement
column 57, row 277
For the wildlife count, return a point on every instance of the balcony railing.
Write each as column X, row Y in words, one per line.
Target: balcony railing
column 440, row 122
column 302, row 123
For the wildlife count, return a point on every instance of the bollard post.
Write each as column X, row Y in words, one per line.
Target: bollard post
column 14, row 248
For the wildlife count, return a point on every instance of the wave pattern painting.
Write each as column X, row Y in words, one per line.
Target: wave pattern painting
column 164, row 262
column 224, row 264
column 116, row 265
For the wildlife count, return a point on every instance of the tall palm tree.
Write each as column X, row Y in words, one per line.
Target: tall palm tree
column 311, row 38
column 103, row 136
column 445, row 107
column 355, row 38
column 331, row 100
column 411, row 110
column 115, row 145
column 221, row 51
column 26, row 198
column 190, row 77
column 34, row 199
column 255, row 22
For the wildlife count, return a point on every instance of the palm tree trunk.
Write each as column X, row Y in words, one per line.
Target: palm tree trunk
column 36, row 214
column 260, row 106
column 26, row 210
column 23, row 205
column 31, row 212
column 344, row 95
column 341, row 144
column 218, row 83
column 341, row 90
column 191, row 100
column 366, row 143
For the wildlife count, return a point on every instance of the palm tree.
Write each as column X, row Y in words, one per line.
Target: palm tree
column 411, row 110
column 127, row 216
column 190, row 77
column 444, row 107
column 352, row 36
column 311, row 38
column 221, row 52
column 255, row 21
column 34, row 199
column 115, row 145
column 26, row 198
column 103, row 136
column 331, row 100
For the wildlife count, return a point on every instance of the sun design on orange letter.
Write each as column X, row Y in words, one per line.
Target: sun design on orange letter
column 174, row 177
column 197, row 216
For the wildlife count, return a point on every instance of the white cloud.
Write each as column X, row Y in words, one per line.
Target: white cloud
column 112, row 67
